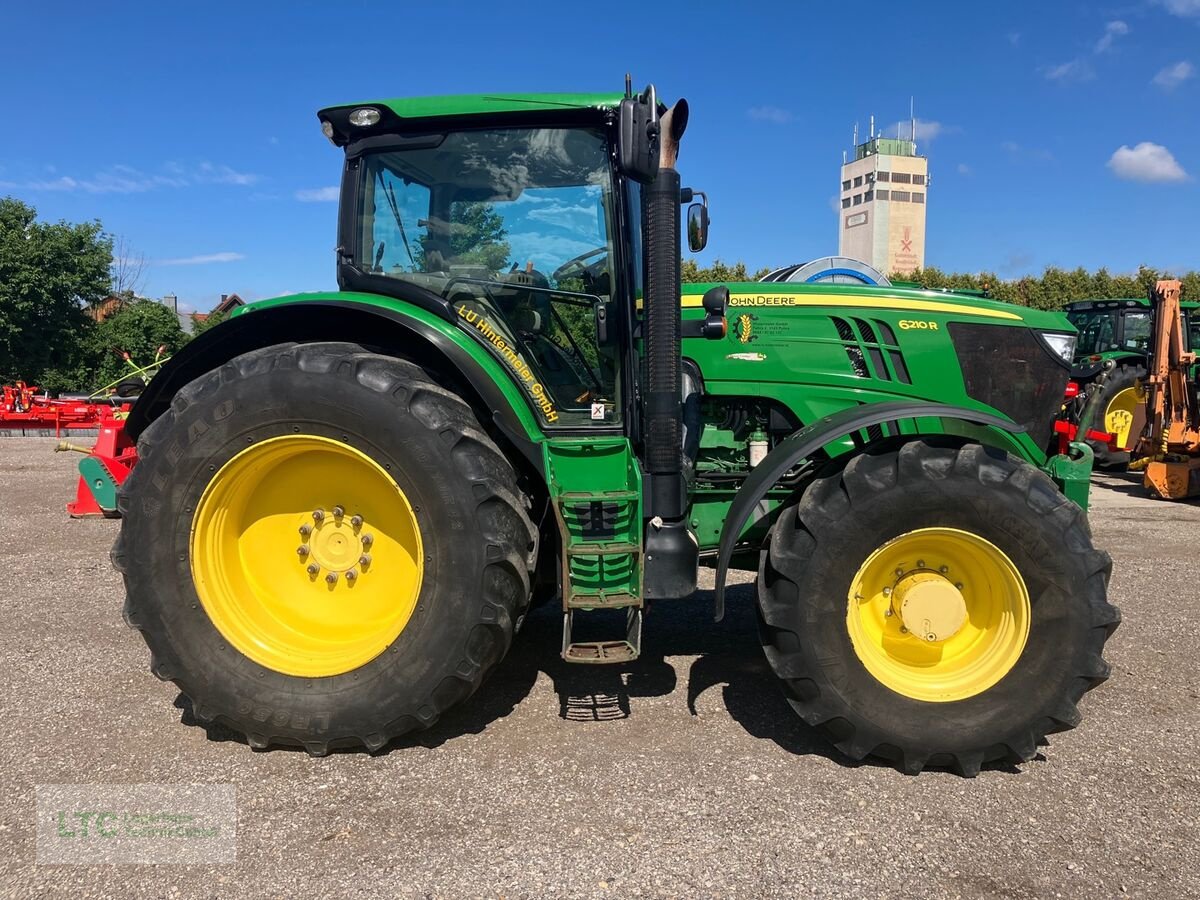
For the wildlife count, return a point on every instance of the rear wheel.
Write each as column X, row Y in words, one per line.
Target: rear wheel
column 322, row 547
column 1121, row 395
column 935, row 606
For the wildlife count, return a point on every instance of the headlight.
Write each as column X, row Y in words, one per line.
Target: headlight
column 364, row 116
column 1061, row 345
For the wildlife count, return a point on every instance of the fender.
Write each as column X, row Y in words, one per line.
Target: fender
column 812, row 438
column 421, row 336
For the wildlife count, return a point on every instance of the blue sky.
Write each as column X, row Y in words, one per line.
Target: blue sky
column 1058, row 132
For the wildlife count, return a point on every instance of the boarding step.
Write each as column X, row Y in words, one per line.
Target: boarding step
column 603, row 652
column 603, row 600
column 604, row 549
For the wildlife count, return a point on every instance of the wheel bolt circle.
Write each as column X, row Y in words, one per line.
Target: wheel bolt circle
column 313, row 568
column 945, row 570
column 305, row 530
column 338, row 512
column 351, row 574
column 356, row 521
column 331, row 578
column 368, row 540
column 302, row 550
column 364, row 560
column 318, row 515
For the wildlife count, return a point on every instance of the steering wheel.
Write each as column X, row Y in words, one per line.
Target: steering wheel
column 593, row 270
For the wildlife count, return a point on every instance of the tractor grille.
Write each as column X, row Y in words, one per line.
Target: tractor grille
column 871, row 349
column 1010, row 369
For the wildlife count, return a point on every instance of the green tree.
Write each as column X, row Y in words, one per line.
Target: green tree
column 718, row 272
column 48, row 271
column 477, row 237
column 139, row 329
column 199, row 326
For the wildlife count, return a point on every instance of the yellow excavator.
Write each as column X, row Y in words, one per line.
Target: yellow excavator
column 1169, row 448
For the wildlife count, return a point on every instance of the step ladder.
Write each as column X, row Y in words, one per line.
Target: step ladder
column 602, row 571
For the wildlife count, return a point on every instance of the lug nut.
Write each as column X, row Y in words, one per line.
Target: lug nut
column 888, row 612
column 903, row 630
column 302, row 550
column 368, row 540
column 338, row 512
column 305, row 530
column 920, row 563
column 887, row 592
column 351, row 575
column 356, row 521
column 331, row 578
column 944, row 570
column 958, row 584
column 899, row 572
column 313, row 568
column 364, row 560
column 318, row 515
column 931, row 637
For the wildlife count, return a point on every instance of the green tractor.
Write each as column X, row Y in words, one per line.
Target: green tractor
column 1117, row 330
column 347, row 502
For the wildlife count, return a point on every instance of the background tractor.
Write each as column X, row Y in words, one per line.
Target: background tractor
column 347, row 502
column 1117, row 330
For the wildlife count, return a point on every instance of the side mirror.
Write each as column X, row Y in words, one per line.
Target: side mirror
column 697, row 227
column 638, row 136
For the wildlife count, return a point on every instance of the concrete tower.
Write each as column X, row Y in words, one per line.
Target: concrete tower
column 883, row 201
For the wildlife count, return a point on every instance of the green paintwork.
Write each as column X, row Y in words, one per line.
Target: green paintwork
column 602, row 567
column 1073, row 474
column 100, row 482
column 490, row 363
column 489, row 104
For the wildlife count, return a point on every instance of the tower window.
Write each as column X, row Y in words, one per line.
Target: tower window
column 881, row 194
column 900, row 196
column 883, row 176
column 845, row 185
column 918, row 197
column 901, row 177
column 918, row 179
column 845, row 203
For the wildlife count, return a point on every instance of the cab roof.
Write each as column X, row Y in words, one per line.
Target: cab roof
column 400, row 113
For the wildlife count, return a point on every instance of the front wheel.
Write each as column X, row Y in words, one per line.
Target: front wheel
column 1121, row 395
column 935, row 606
column 321, row 546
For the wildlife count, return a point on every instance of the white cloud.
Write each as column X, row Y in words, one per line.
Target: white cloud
column 122, row 179
column 318, row 195
column 1147, row 162
column 1184, row 8
column 772, row 114
column 1170, row 77
column 963, row 169
column 225, row 257
column 207, row 173
column 1015, row 150
column 1112, row 31
column 1074, row 70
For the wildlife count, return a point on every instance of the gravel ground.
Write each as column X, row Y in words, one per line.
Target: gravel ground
column 688, row 775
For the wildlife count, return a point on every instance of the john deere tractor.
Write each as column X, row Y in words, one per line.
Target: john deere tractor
column 347, row 502
column 1117, row 330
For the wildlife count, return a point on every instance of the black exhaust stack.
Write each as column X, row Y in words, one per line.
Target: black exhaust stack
column 671, row 551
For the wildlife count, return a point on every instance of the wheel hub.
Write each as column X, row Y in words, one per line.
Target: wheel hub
column 929, row 605
column 336, row 544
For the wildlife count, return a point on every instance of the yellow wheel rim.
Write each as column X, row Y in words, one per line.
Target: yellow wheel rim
column 1118, row 417
column 938, row 614
column 306, row 555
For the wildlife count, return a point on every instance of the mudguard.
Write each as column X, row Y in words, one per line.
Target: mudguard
column 339, row 320
column 810, row 439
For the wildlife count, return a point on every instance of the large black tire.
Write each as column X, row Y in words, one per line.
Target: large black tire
column 1122, row 378
column 479, row 544
column 817, row 546
column 131, row 387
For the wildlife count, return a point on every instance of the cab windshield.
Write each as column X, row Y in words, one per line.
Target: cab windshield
column 1097, row 330
column 513, row 227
